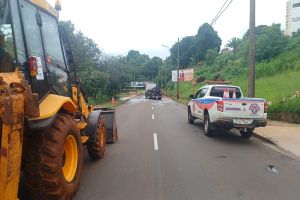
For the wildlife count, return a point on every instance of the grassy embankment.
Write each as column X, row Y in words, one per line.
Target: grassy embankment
column 277, row 81
column 106, row 102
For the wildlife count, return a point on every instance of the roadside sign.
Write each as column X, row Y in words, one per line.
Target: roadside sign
column 174, row 76
column 184, row 75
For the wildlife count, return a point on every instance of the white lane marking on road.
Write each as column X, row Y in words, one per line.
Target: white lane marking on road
column 152, row 108
column 155, row 141
column 153, row 116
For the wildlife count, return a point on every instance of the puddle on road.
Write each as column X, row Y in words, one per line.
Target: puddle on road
column 137, row 100
column 272, row 169
column 162, row 102
column 141, row 99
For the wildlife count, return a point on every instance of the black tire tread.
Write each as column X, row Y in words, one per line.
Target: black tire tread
column 191, row 119
column 42, row 161
column 95, row 150
column 209, row 131
column 247, row 134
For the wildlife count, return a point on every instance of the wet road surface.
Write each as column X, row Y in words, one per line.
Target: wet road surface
column 160, row 156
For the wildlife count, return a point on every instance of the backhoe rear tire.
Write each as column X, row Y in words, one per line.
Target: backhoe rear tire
column 96, row 146
column 52, row 161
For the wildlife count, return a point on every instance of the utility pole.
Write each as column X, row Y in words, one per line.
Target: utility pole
column 251, row 72
column 178, row 70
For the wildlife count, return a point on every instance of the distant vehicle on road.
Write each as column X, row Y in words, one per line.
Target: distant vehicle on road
column 224, row 106
column 154, row 93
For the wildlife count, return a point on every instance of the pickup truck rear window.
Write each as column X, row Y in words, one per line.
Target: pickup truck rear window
column 226, row 92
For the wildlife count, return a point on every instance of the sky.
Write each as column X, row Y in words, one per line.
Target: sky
column 119, row 26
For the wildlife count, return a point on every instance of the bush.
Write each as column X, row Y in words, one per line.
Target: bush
column 99, row 99
column 289, row 110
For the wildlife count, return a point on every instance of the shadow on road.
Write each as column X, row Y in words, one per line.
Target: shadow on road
column 227, row 137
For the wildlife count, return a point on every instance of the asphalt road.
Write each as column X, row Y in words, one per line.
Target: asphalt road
column 184, row 164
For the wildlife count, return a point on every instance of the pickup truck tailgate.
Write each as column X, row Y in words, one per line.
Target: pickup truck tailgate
column 250, row 108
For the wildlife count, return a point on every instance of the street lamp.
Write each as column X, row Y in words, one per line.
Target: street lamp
column 177, row 89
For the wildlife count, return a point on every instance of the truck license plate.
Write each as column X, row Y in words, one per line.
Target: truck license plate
column 242, row 121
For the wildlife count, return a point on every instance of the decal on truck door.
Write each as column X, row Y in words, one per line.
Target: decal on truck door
column 205, row 103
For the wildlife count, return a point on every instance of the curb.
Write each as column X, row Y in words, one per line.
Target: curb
column 263, row 138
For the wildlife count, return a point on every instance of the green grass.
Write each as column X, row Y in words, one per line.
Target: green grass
column 110, row 105
column 185, row 90
column 274, row 88
column 106, row 102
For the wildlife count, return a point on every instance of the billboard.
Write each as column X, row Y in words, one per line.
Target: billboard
column 184, row 75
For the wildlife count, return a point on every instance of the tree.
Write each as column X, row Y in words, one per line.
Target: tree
column 210, row 56
column 234, row 43
column 206, row 38
column 270, row 42
column 98, row 74
column 187, row 49
column 152, row 66
column 195, row 47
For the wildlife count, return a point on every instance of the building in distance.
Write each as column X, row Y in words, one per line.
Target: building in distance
column 292, row 17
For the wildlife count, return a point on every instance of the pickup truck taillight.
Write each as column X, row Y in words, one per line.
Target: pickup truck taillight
column 220, row 105
column 265, row 107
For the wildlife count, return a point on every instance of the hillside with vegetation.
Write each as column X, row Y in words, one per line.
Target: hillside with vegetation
column 277, row 70
column 277, row 66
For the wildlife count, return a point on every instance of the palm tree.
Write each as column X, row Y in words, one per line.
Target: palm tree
column 234, row 43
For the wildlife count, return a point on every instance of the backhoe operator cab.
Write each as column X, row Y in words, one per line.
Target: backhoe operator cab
column 44, row 117
column 31, row 38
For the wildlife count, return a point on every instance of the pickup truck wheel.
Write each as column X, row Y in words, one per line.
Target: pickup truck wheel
column 207, row 126
column 191, row 119
column 246, row 133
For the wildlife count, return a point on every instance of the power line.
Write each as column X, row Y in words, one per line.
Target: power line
column 221, row 11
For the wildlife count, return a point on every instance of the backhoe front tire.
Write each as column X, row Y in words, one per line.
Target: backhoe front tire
column 96, row 145
column 52, row 161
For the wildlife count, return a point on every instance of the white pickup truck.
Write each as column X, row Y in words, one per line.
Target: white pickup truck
column 224, row 106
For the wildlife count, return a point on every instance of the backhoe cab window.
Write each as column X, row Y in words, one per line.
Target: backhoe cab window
column 7, row 49
column 59, row 77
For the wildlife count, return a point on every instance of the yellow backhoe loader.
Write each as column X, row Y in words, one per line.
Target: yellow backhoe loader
column 44, row 117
